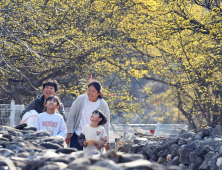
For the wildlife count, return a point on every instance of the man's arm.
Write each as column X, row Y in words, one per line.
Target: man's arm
column 31, row 106
column 62, row 112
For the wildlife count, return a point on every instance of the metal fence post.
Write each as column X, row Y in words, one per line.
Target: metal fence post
column 22, row 108
column 12, row 114
column 126, row 129
column 157, row 129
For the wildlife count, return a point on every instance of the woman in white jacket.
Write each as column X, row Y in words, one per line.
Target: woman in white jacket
column 81, row 110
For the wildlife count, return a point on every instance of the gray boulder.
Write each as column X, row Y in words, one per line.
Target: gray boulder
column 6, row 152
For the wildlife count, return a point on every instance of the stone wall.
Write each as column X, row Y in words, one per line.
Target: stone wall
column 189, row 151
column 22, row 148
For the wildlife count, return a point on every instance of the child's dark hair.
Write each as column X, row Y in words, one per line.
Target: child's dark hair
column 101, row 115
column 50, row 82
column 97, row 86
column 56, row 98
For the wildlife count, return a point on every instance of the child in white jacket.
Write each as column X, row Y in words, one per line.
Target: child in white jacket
column 50, row 120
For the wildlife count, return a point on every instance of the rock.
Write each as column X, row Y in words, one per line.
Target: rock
column 6, row 163
column 29, row 129
column 81, row 161
column 207, row 131
column 41, row 133
column 196, row 164
column 183, row 167
column 182, row 141
column 21, row 126
column 109, row 164
column 193, row 156
column 85, row 167
column 18, row 161
column 56, row 140
column 23, row 154
column 173, row 168
column 50, row 167
column 219, row 161
column 168, row 142
column 6, row 152
column 207, row 161
column 15, row 133
column 120, row 157
column 140, row 140
column 7, row 136
column 217, row 131
column 141, row 164
column 186, row 134
column 176, row 161
column 49, row 145
column 156, row 148
column 165, row 153
column 213, row 165
column 66, row 150
column 175, row 153
column 136, row 148
column 184, row 152
column 202, row 151
column 3, row 139
column 161, row 160
column 36, row 164
column 199, row 136
column 62, row 159
column 153, row 156
column 128, row 158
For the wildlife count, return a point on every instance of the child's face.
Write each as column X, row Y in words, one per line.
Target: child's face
column 51, row 104
column 95, row 117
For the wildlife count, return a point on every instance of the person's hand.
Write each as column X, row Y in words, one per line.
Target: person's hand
column 68, row 138
column 85, row 143
column 95, row 143
column 107, row 146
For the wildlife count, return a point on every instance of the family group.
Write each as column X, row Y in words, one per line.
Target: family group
column 88, row 122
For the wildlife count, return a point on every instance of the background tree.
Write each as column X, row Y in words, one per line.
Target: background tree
column 175, row 43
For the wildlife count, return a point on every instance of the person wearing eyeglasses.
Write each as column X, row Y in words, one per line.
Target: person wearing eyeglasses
column 81, row 110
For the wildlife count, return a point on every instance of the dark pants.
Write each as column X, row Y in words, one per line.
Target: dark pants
column 74, row 142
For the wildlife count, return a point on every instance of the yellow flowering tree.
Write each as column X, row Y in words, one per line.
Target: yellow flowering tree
column 67, row 40
column 176, row 43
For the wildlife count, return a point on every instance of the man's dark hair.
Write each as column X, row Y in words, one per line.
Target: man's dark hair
column 97, row 86
column 56, row 98
column 52, row 83
column 101, row 115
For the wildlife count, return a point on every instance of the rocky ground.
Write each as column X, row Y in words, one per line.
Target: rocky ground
column 189, row 151
column 22, row 148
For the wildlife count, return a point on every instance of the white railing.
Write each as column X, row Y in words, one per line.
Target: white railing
column 10, row 113
column 165, row 130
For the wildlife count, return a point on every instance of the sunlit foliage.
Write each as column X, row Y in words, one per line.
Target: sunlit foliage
column 177, row 43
